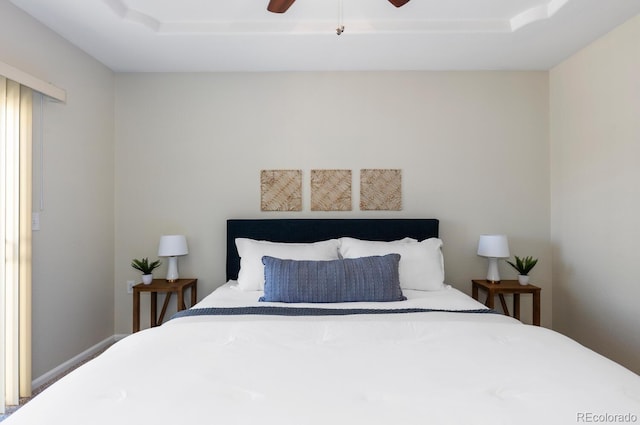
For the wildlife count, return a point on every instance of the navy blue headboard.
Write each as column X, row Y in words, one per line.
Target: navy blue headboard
column 313, row 230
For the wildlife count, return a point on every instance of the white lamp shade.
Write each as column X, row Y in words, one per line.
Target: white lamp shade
column 493, row 246
column 172, row 245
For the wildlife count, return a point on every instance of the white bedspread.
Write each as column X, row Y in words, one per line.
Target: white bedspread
column 417, row 368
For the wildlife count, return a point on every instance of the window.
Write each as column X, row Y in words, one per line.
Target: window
column 15, row 232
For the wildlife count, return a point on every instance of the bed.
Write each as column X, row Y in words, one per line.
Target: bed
column 436, row 357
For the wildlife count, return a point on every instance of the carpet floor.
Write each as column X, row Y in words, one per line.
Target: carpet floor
column 24, row 400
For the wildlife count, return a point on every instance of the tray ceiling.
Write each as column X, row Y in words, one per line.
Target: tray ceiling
column 241, row 35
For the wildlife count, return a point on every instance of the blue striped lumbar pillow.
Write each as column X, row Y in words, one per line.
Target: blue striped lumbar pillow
column 347, row 280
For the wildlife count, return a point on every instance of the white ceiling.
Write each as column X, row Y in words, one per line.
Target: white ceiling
column 241, row 35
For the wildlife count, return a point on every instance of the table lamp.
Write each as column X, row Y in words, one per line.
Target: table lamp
column 172, row 246
column 493, row 247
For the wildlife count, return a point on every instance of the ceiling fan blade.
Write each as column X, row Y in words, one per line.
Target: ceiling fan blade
column 280, row 6
column 398, row 3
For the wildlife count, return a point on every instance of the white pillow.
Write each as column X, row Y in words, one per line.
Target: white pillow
column 421, row 263
column 251, row 275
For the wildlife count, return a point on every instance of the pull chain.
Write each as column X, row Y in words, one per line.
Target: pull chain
column 340, row 28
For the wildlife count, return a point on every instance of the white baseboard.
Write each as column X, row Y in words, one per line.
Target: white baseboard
column 118, row 337
column 53, row 373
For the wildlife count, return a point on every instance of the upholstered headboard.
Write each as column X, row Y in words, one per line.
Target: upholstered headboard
column 313, row 230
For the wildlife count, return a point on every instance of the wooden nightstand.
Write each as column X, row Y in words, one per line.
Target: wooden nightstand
column 161, row 285
column 508, row 287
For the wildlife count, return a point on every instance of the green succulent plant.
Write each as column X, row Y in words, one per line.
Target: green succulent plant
column 144, row 266
column 523, row 265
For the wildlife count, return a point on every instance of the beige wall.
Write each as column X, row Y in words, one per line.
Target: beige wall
column 73, row 253
column 472, row 146
column 595, row 178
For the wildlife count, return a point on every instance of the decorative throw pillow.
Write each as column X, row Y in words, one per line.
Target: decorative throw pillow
column 251, row 274
column 372, row 278
column 421, row 263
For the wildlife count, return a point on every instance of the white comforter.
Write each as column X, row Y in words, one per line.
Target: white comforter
column 417, row 368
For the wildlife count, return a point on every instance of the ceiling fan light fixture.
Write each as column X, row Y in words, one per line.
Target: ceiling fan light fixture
column 279, row 6
column 398, row 3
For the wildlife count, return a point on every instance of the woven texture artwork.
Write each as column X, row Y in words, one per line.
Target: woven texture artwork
column 381, row 189
column 330, row 190
column 281, row 190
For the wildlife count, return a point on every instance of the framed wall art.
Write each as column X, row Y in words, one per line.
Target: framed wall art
column 331, row 190
column 281, row 190
column 380, row 189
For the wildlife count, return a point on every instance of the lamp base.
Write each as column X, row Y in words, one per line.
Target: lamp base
column 493, row 275
column 172, row 271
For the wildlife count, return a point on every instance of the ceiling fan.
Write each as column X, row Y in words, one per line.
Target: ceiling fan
column 281, row 6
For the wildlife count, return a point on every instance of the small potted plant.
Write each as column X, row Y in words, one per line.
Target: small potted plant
column 523, row 266
column 146, row 268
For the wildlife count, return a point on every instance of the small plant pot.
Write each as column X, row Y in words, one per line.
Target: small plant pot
column 147, row 278
column 523, row 280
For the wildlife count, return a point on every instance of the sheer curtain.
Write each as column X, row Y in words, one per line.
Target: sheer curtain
column 15, row 232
